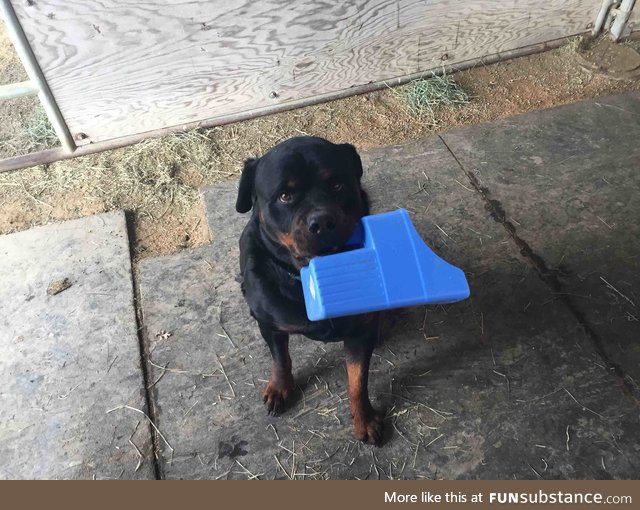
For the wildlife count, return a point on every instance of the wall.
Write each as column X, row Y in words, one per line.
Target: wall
column 122, row 67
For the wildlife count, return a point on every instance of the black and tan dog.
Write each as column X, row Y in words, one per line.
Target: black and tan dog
column 306, row 199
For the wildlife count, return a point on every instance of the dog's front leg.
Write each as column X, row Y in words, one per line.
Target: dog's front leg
column 280, row 385
column 366, row 422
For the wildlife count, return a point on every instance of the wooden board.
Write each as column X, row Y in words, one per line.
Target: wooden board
column 118, row 68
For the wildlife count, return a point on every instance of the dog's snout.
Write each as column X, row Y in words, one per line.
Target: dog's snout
column 321, row 222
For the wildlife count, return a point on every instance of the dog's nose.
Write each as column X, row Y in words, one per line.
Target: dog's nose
column 321, row 222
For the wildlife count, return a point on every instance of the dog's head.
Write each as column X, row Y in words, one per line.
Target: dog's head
column 306, row 194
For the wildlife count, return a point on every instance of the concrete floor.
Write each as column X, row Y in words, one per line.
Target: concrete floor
column 535, row 376
column 69, row 357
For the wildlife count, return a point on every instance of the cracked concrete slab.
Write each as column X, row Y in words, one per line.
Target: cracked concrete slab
column 70, row 353
column 503, row 385
column 567, row 180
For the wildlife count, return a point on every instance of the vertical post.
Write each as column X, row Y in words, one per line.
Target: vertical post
column 30, row 64
column 620, row 22
column 602, row 16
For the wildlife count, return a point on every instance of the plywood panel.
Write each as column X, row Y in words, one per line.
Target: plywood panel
column 121, row 67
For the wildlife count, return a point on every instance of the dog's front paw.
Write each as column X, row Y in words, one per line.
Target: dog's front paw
column 276, row 393
column 369, row 428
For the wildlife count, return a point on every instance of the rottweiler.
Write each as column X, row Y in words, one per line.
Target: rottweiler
column 306, row 199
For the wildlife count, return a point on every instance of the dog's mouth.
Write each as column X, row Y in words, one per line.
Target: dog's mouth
column 326, row 250
column 304, row 258
column 307, row 247
column 329, row 250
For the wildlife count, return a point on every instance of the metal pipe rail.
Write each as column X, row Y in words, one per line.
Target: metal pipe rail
column 20, row 89
column 37, row 79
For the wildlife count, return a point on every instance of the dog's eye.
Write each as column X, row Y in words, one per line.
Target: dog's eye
column 285, row 197
column 337, row 186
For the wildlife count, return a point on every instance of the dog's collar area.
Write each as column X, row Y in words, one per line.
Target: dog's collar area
column 286, row 268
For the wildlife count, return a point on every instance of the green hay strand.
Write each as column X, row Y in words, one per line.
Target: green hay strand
column 424, row 96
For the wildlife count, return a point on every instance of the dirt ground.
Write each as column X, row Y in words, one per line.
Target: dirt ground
column 158, row 181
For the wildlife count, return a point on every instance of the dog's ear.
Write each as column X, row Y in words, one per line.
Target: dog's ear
column 353, row 158
column 244, row 202
column 351, row 155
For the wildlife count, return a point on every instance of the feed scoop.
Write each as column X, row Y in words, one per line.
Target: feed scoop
column 390, row 267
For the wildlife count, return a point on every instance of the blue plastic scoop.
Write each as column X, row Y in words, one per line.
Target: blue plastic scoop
column 393, row 268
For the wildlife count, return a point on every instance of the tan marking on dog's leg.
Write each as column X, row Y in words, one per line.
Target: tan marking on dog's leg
column 367, row 425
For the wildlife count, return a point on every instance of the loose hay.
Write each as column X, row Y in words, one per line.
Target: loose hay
column 39, row 134
column 424, row 97
column 26, row 129
column 149, row 177
column 158, row 180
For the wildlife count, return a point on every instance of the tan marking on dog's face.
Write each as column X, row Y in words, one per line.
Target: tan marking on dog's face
column 286, row 240
column 292, row 184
